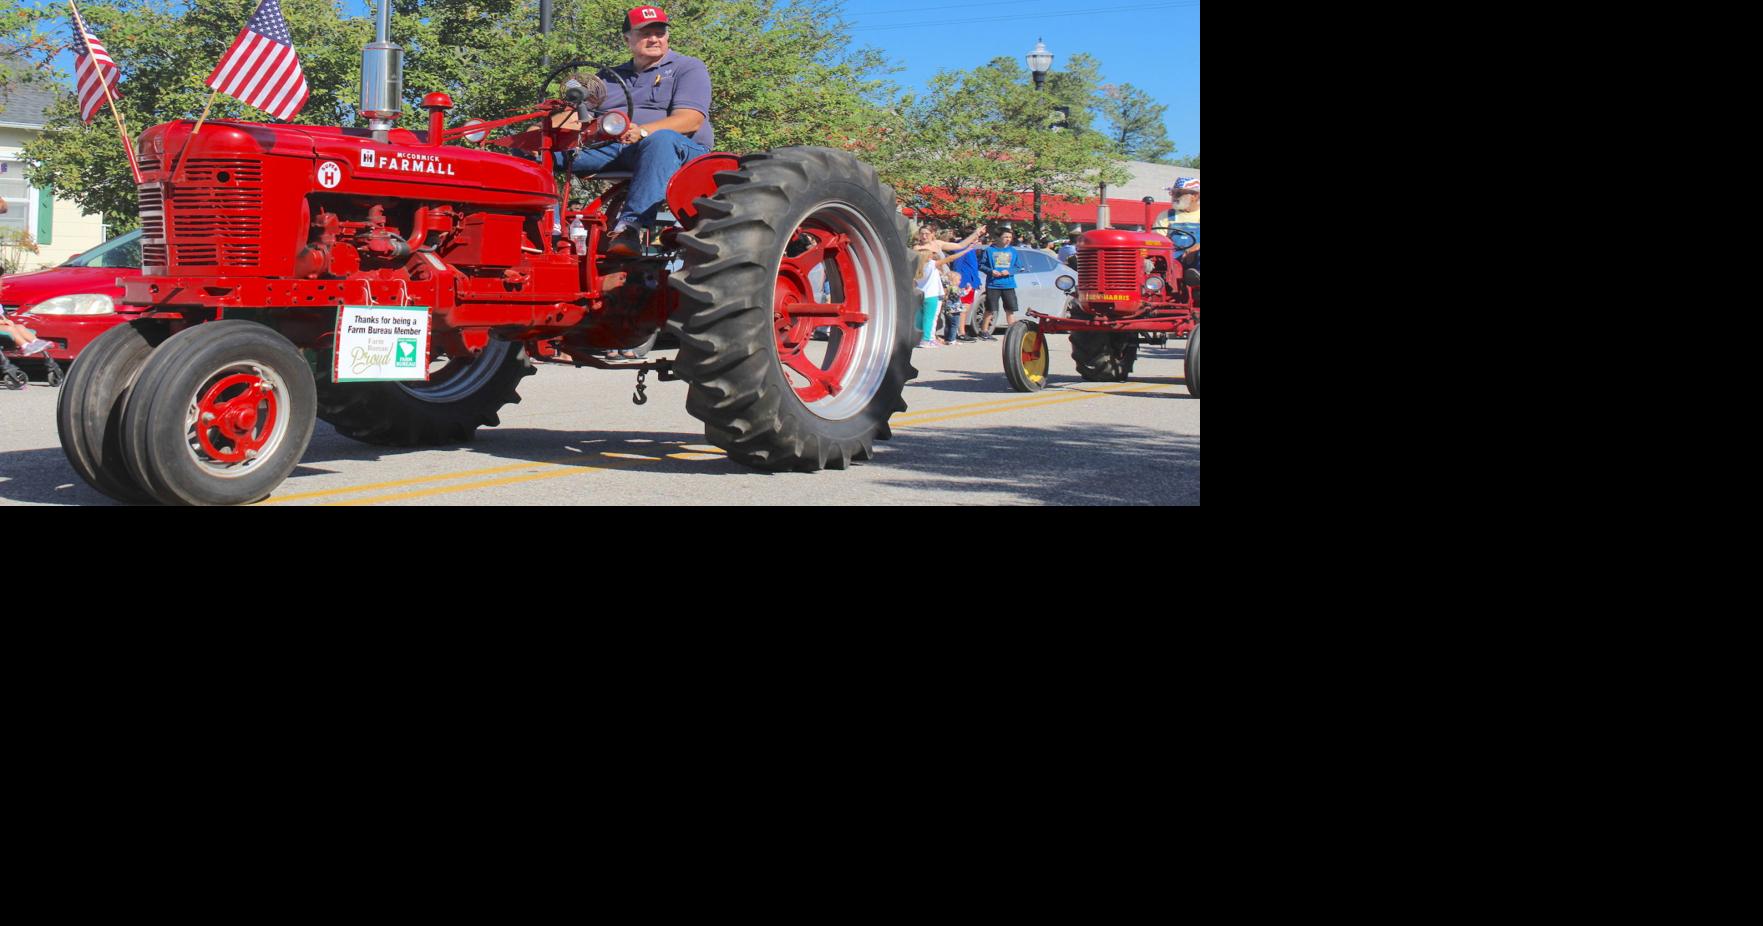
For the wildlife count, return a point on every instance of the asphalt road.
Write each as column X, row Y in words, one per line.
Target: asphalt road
column 576, row 439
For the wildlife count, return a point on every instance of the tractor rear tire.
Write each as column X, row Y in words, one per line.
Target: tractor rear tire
column 1103, row 357
column 748, row 311
column 88, row 415
column 448, row 409
column 1192, row 372
column 229, row 388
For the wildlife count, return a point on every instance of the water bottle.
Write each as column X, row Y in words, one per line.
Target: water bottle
column 578, row 237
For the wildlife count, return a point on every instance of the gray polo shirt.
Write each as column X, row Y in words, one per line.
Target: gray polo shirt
column 675, row 82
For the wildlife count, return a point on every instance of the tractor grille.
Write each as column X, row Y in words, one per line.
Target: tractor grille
column 213, row 219
column 1108, row 271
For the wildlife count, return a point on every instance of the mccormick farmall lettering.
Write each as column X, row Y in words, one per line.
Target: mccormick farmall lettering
column 406, row 162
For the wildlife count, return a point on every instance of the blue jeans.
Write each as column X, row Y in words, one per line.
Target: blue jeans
column 654, row 161
column 956, row 309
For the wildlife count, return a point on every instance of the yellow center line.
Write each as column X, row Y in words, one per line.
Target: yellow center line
column 369, row 487
column 1012, row 402
column 1085, row 394
column 485, row 484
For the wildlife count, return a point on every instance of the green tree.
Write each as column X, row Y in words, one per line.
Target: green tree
column 783, row 72
column 1073, row 84
column 980, row 138
column 1135, row 123
column 24, row 49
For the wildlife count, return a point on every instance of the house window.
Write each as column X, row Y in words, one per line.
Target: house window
column 16, row 191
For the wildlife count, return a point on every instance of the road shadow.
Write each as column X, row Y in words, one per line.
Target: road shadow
column 1179, row 392
column 539, row 446
column 1092, row 465
column 1164, row 353
column 44, row 477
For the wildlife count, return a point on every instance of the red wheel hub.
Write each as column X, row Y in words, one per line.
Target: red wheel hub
column 797, row 311
column 238, row 412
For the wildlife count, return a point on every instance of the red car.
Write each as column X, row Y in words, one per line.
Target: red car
column 71, row 304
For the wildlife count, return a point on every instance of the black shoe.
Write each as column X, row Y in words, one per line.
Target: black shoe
column 627, row 244
column 965, row 338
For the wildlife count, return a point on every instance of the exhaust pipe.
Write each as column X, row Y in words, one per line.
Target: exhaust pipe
column 382, row 78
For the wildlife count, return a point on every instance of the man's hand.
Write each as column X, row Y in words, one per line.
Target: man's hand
column 632, row 135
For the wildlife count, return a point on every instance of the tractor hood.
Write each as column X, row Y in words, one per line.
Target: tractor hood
column 349, row 161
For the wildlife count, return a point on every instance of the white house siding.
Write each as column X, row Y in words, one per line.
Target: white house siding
column 73, row 230
column 1151, row 180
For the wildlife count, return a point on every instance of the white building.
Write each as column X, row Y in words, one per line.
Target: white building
column 59, row 227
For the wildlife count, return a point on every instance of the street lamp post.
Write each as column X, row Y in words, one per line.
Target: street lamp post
column 1040, row 61
column 545, row 31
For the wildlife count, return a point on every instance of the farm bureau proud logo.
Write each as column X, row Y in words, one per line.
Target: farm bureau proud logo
column 406, row 162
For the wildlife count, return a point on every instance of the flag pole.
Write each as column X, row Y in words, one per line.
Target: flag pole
column 127, row 147
column 184, row 152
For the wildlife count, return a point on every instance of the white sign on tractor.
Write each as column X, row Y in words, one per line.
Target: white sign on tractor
column 381, row 344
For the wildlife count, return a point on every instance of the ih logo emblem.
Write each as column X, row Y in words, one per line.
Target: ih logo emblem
column 367, row 157
column 330, row 173
column 406, row 352
column 648, row 12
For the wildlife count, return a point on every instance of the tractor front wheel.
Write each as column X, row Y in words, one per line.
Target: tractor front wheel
column 1102, row 357
column 1192, row 374
column 796, row 239
column 88, row 413
column 464, row 394
column 220, row 414
column 1025, row 358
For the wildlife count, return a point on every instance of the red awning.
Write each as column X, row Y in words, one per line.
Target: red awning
column 1120, row 211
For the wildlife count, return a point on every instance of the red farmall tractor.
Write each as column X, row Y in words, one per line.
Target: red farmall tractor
column 258, row 238
column 1131, row 290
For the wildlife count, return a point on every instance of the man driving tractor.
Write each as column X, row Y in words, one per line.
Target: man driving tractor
column 667, row 95
column 1184, row 214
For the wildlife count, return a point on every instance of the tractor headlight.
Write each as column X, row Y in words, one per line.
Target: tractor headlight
column 1153, row 285
column 82, row 304
column 613, row 125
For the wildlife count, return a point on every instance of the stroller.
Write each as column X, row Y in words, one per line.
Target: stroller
column 12, row 377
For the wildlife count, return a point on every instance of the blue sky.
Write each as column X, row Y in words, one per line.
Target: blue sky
column 1152, row 44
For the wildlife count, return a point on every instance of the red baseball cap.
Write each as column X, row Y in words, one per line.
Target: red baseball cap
column 643, row 16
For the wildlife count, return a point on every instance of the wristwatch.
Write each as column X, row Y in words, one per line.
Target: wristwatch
column 642, row 132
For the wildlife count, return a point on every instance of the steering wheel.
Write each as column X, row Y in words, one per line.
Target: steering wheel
column 579, row 97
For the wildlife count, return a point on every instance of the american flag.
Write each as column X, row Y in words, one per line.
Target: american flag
column 93, row 70
column 261, row 68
